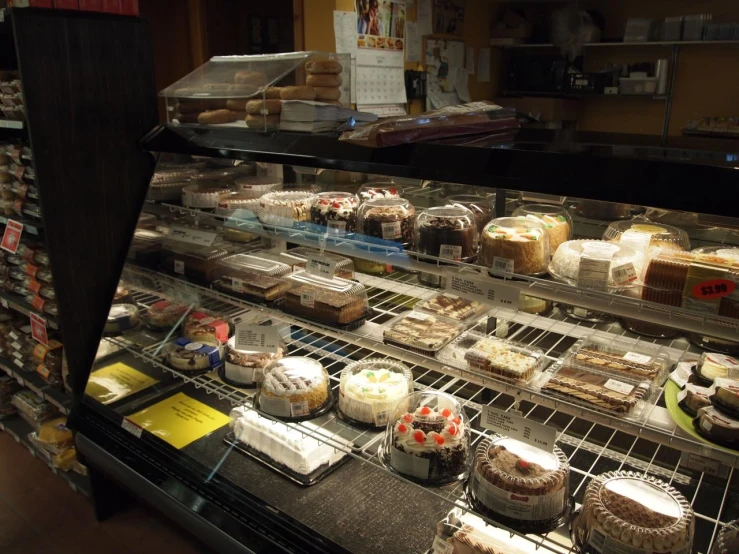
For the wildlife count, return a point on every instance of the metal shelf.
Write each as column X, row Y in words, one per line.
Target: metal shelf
column 20, row 305
column 59, row 399
column 315, row 236
column 591, row 446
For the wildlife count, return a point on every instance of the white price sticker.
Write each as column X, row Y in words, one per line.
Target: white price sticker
column 484, row 290
column 637, row 240
column 133, row 428
column 299, row 409
column 697, row 462
column 320, row 266
column 257, row 338
column 637, row 358
column 502, row 264
column 179, row 267
column 624, row 274
column 18, row 362
column 442, row 547
column 593, row 273
column 519, row 428
column 618, row 386
column 391, row 230
column 450, row 252
column 192, row 236
column 308, row 299
column 237, row 285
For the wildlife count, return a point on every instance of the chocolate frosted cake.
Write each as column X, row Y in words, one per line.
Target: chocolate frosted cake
column 628, row 512
column 245, row 367
column 335, row 301
column 389, row 219
column 337, row 211
column 448, row 232
column 520, row 485
column 429, row 443
column 516, row 244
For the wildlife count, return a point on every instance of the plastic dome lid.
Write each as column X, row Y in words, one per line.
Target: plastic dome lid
column 723, row 251
column 643, row 234
column 565, row 264
column 380, row 366
column 516, row 463
column 516, row 228
column 296, row 367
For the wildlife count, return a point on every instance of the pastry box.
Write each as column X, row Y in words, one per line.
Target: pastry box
column 421, row 333
column 492, row 357
column 620, row 359
column 610, row 394
column 641, row 235
column 453, row 307
column 251, row 277
column 197, row 263
column 297, row 257
column 338, row 302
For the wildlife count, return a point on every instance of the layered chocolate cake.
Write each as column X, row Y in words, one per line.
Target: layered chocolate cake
column 448, row 232
column 422, row 333
column 337, row 211
column 335, row 301
column 390, row 219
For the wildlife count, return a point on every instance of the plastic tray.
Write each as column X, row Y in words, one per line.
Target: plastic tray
column 197, row 263
column 597, row 264
column 451, row 306
column 443, row 332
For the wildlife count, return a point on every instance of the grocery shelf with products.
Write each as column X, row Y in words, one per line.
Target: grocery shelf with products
column 345, row 328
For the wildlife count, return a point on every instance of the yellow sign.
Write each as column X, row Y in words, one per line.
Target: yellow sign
column 179, row 420
column 116, row 381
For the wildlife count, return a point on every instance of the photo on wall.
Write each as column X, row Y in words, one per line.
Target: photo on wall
column 380, row 24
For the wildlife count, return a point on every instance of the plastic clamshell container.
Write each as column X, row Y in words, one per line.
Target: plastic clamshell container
column 610, row 394
column 165, row 314
column 597, row 264
column 712, row 366
column 205, row 196
column 193, row 357
column 298, row 257
column 205, row 328
column 642, row 235
column 256, row 186
column 194, row 262
column 33, row 406
column 146, row 248
column 448, row 232
column 463, row 531
column 515, row 244
column 370, row 389
column 493, row 357
column 379, row 189
column 603, row 211
column 621, row 506
column 244, row 368
column 451, row 306
column 724, row 251
column 336, row 211
column 556, row 219
column 421, row 333
column 620, row 359
column 251, row 276
column 427, row 439
column 480, row 206
column 285, row 208
column 237, row 205
column 519, row 485
column 303, row 454
column 336, row 301
column 295, row 388
column 387, row 219
column 727, row 541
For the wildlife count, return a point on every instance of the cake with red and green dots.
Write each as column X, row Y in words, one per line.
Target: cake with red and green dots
column 437, row 439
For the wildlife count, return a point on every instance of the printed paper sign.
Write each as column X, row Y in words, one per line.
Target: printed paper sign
column 116, row 381
column 257, row 338
column 12, row 236
column 320, row 266
column 192, row 236
column 38, row 329
column 484, row 290
column 519, row 428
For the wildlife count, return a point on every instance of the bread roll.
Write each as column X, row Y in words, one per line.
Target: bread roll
column 323, row 66
column 323, row 80
column 216, row 117
column 250, row 78
column 327, row 93
column 298, row 93
column 187, row 117
column 262, row 121
column 260, row 106
column 236, row 104
column 273, row 93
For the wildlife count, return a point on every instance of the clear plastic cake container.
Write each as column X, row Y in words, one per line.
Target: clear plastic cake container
column 597, row 264
column 250, row 265
column 336, row 301
column 194, row 262
column 295, row 388
column 612, row 395
column 166, row 192
column 344, row 266
column 255, row 187
column 379, row 189
column 205, row 196
column 642, row 235
column 515, row 245
column 334, row 212
column 252, row 277
column 245, row 368
column 463, row 531
column 285, row 208
column 453, row 307
column 621, row 359
column 556, row 219
column 237, row 205
column 146, row 248
column 492, row 357
column 370, row 389
column 420, row 332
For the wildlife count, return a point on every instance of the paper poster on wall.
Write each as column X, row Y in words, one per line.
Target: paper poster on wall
column 380, row 28
column 412, row 42
column 424, row 18
column 449, row 17
column 346, row 43
column 444, row 59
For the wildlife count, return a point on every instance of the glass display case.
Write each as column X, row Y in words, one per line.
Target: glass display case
column 368, row 411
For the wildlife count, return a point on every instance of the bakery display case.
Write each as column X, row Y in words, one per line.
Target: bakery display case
column 309, row 389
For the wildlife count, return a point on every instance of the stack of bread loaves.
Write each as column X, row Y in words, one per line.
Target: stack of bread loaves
column 324, row 76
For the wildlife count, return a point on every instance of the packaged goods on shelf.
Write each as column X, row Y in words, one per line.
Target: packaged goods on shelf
column 421, row 332
column 285, row 208
column 454, row 307
column 712, row 366
column 245, row 368
column 255, row 186
column 147, row 222
column 556, row 220
column 194, row 358
column 336, row 211
column 502, row 359
column 428, row 439
column 642, row 235
column 146, row 248
column 519, row 485
column 304, row 454
column 717, row 426
column 387, row 219
column 333, row 301
column 165, row 314
column 122, row 317
column 252, row 277
column 205, row 195
column 448, row 232
column 692, row 398
column 372, row 190
column 480, row 206
column 295, row 388
column 370, row 389
column 32, row 408
column 725, row 396
column 197, row 263
column 53, row 436
column 466, row 533
column 203, row 327
column 238, row 205
column 515, row 244
column 298, row 257
column 625, row 511
column 595, row 264
column 122, row 296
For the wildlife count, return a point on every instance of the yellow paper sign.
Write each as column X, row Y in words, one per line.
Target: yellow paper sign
column 179, row 420
column 116, row 381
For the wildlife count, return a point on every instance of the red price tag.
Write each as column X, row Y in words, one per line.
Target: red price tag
column 12, row 236
column 38, row 329
column 38, row 303
column 34, row 286
column 715, row 288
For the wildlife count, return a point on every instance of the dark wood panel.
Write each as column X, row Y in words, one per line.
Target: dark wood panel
column 89, row 89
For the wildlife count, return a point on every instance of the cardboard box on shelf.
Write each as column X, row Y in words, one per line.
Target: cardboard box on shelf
column 543, row 108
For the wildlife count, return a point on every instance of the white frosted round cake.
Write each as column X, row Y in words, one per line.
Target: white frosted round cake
column 370, row 390
column 285, row 208
column 294, row 387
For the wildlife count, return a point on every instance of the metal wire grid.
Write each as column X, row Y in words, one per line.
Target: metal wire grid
column 591, row 447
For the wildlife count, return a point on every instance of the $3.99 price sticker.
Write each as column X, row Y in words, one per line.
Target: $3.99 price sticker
column 715, row 288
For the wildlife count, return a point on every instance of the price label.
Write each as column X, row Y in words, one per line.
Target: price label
column 624, row 274
column 593, row 273
column 502, row 264
column 618, row 386
column 237, row 285
column 192, row 236
column 299, row 409
column 257, row 338
column 697, row 462
column 320, row 266
column 133, row 428
column 450, row 252
column 519, row 428
column 442, row 547
column 179, row 267
column 12, row 236
column 308, row 299
column 38, row 329
column 18, row 362
column 716, row 288
column 490, row 292
column 637, row 240
column 637, row 358
column 391, row 230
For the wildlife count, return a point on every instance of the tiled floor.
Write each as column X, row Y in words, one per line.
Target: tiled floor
column 41, row 514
